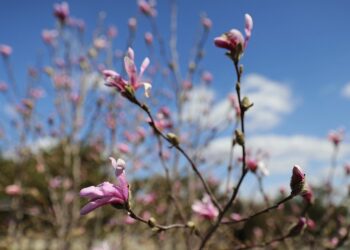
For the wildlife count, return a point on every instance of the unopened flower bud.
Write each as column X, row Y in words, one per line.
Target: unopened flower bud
column 191, row 224
column 246, row 103
column 297, row 182
column 239, row 137
column 298, row 228
column 152, row 222
column 173, row 139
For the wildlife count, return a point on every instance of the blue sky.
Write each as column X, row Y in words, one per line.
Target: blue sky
column 303, row 46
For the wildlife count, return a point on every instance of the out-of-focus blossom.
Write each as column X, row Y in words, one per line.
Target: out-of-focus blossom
column 307, row 194
column 165, row 111
column 187, row 85
column 148, row 38
column 147, row 7
column 336, row 136
column 233, row 40
column 207, row 23
column 310, row 224
column 13, row 190
column 112, row 32
column 147, row 199
column 115, row 80
column 5, row 50
column 123, row 148
column 207, row 77
column 62, row 81
column 235, row 216
column 132, row 23
column 347, row 168
column 61, row 11
column 297, row 181
column 298, row 228
column 108, row 193
column 128, row 220
column 100, row 43
column 36, row 93
column 3, row 87
column 55, row 182
column 76, row 23
column 49, row 36
column 205, row 208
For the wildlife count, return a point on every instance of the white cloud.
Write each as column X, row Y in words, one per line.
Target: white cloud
column 44, row 143
column 312, row 153
column 346, row 90
column 201, row 109
column 272, row 100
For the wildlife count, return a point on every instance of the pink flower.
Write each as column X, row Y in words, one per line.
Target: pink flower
column 123, row 148
column 205, row 208
column 207, row 77
column 13, row 190
column 132, row 23
column 147, row 8
column 3, row 87
column 297, row 182
column 252, row 164
column 336, row 136
column 298, row 228
column 61, row 11
column 108, row 193
column 49, row 36
column 5, row 50
column 307, row 194
column 112, row 31
column 100, row 43
column 115, row 80
column 234, row 38
column 347, row 169
column 128, row 220
column 235, row 216
column 207, row 23
column 148, row 38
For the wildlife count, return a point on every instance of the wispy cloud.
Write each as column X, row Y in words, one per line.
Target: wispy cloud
column 312, row 153
column 272, row 101
column 346, row 90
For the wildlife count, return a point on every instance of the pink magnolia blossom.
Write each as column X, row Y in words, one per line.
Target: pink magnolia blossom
column 128, row 220
column 13, row 190
column 347, row 169
column 115, row 80
column 123, row 148
column 207, row 23
column 147, row 7
column 205, row 208
column 100, row 43
column 297, row 182
column 336, row 136
column 3, row 87
column 112, row 32
column 132, row 23
column 298, row 228
column 235, row 216
column 207, row 77
column 5, row 50
column 49, row 36
column 107, row 193
column 148, row 38
column 234, row 38
column 61, row 11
